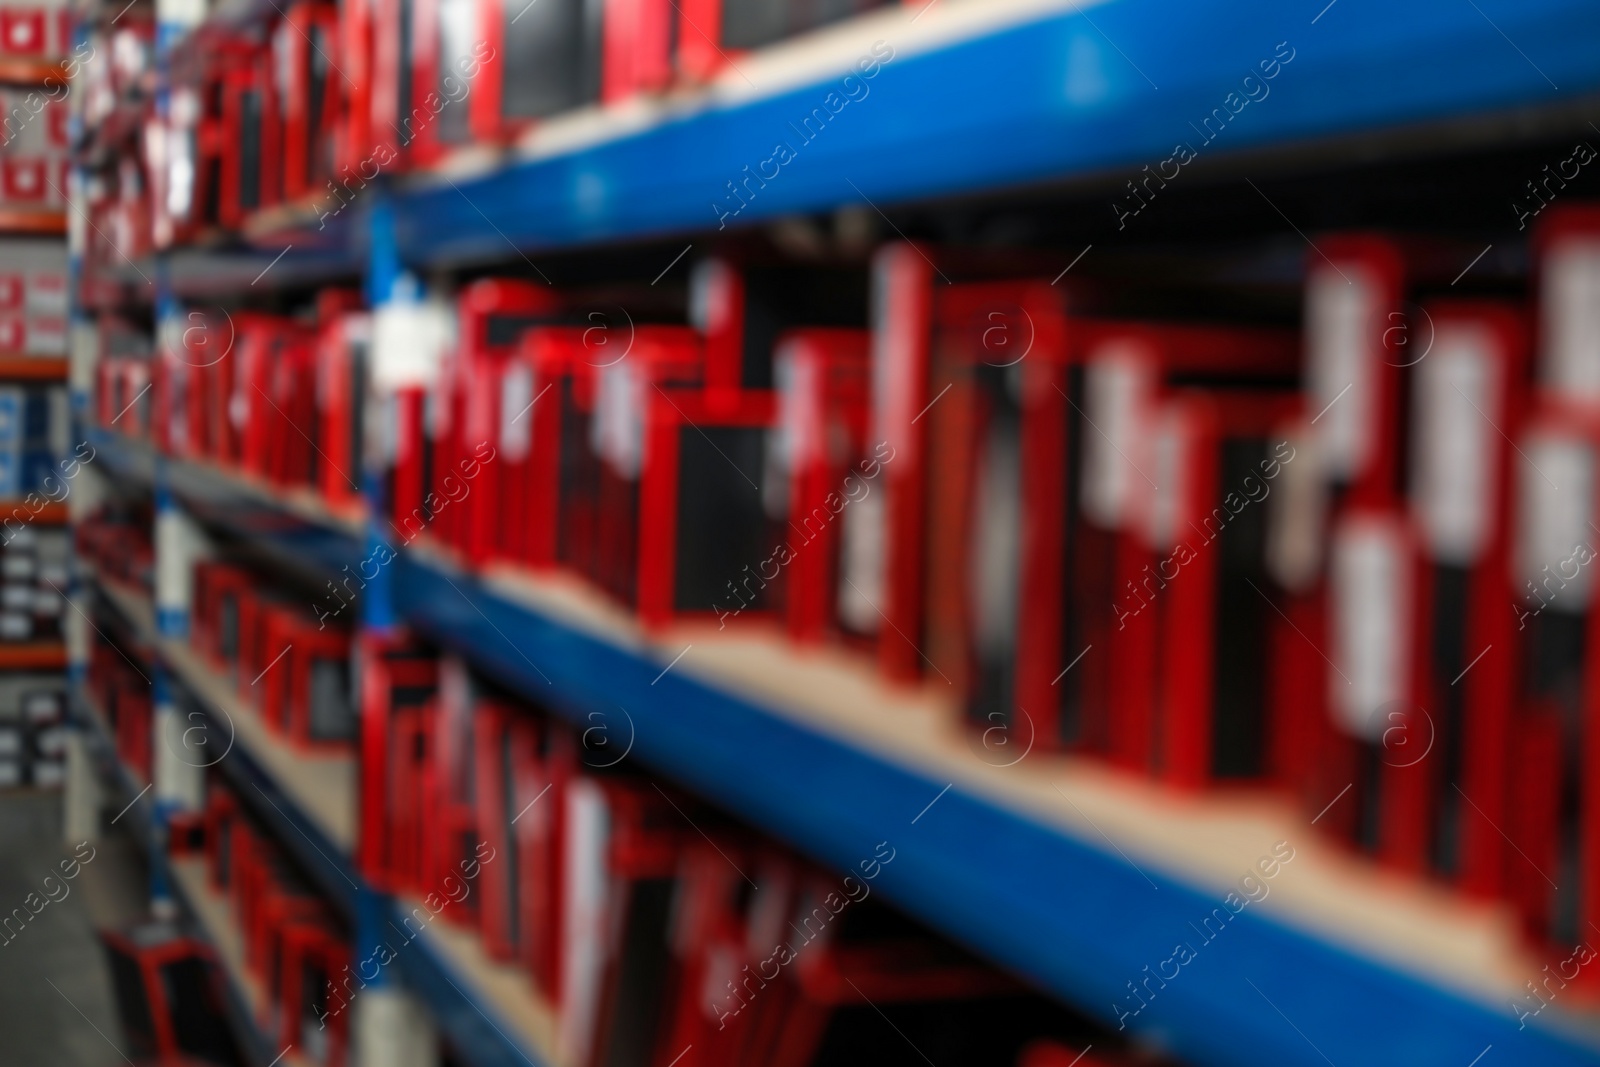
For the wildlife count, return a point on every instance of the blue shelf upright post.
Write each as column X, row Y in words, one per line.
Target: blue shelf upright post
column 171, row 621
column 177, row 780
column 388, row 1028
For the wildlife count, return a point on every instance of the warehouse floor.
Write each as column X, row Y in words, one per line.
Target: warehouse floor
column 56, row 1003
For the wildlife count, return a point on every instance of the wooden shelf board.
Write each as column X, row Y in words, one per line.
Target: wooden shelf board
column 506, row 988
column 323, row 785
column 1203, row 840
column 214, row 913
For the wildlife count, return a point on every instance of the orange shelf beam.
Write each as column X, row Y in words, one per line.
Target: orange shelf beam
column 33, row 656
column 31, row 221
column 51, row 514
column 18, row 70
column 15, row 368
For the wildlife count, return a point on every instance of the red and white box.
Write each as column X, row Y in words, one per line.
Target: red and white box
column 304, row 43
column 1469, row 401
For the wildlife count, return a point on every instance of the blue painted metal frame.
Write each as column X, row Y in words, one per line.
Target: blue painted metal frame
column 1067, row 914
column 475, row 1037
column 472, row 1033
column 1050, row 100
column 316, row 853
column 209, row 497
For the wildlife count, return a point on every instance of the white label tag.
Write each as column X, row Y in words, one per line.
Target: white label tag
column 795, row 439
column 710, row 291
column 458, row 29
column 177, row 545
column 899, row 373
column 516, row 412
column 1555, row 541
column 861, row 562
column 1297, row 510
column 584, row 937
column 1117, row 385
column 1454, row 455
column 239, row 401
column 799, row 429
column 180, row 13
column 1371, row 606
column 1342, row 332
column 995, row 566
column 409, row 341
column 1570, row 318
column 1170, row 446
column 617, row 434
column 721, row 974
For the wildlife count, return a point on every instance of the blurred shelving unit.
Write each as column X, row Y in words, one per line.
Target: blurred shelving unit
column 1066, row 872
column 1039, row 84
column 309, row 803
column 244, row 998
column 31, row 234
column 1071, row 875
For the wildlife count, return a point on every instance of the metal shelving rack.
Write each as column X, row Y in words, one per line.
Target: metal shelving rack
column 978, row 98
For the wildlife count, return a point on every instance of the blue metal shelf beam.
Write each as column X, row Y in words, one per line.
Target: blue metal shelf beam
column 1054, row 99
column 215, row 500
column 1071, row 917
column 475, row 1035
column 469, row 1030
column 328, row 866
column 141, row 822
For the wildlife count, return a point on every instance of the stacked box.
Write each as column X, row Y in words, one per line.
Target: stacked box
column 44, row 722
column 33, row 296
column 34, row 149
column 32, row 730
column 33, row 577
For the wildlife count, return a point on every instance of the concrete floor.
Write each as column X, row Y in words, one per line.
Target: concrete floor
column 56, row 1005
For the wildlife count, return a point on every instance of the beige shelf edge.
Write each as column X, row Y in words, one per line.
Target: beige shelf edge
column 323, row 785
column 1204, row 841
column 214, row 913
column 507, row 989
